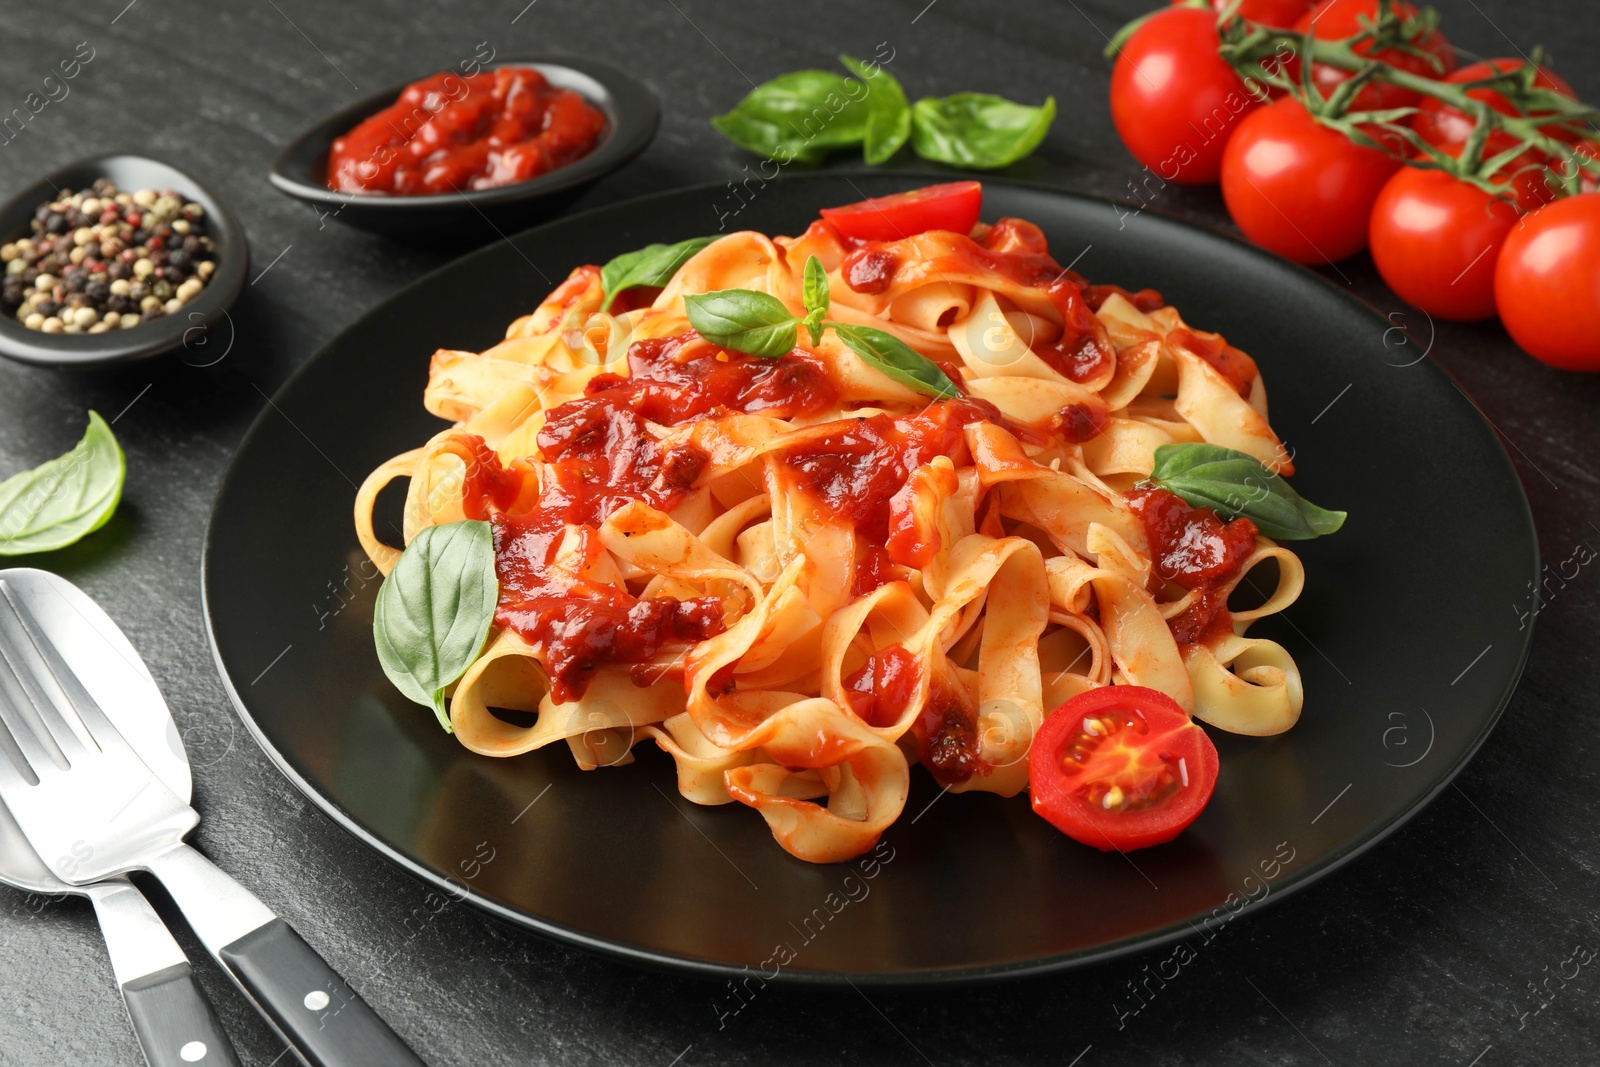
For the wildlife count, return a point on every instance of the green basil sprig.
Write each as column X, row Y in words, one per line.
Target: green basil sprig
column 650, row 265
column 888, row 113
column 64, row 499
column 758, row 324
column 978, row 130
column 816, row 298
column 1235, row 484
column 744, row 320
column 433, row 611
column 897, row 359
column 801, row 116
column 806, row 114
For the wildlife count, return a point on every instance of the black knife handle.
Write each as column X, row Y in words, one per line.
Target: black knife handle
column 174, row 1021
column 324, row 1021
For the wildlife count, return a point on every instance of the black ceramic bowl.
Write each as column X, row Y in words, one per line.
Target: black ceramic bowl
column 476, row 215
column 186, row 328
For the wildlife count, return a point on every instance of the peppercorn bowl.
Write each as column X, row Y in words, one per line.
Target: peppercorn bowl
column 475, row 216
column 177, row 249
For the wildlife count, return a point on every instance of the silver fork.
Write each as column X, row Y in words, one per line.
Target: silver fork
column 92, row 810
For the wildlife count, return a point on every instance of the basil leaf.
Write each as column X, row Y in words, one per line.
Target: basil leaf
column 433, row 611
column 744, row 320
column 650, row 265
column 888, row 114
column 978, row 130
column 800, row 116
column 815, row 296
column 898, row 360
column 1233, row 484
column 59, row 502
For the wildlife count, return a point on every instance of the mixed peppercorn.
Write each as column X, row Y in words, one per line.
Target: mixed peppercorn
column 102, row 259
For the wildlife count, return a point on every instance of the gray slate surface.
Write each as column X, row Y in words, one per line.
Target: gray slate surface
column 1426, row 951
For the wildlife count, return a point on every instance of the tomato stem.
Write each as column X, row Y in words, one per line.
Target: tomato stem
column 1245, row 45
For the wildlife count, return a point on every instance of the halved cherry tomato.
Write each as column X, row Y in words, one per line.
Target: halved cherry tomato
column 1338, row 20
column 952, row 206
column 1298, row 188
column 1547, row 283
column 1279, row 13
column 1173, row 100
column 1121, row 767
column 1436, row 240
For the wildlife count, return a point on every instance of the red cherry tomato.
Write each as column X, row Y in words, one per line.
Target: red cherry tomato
column 1280, row 13
column 1547, row 283
column 1444, row 124
column 952, row 206
column 1299, row 189
column 1436, row 240
column 1447, row 127
column 1338, row 20
column 1173, row 100
column 1121, row 767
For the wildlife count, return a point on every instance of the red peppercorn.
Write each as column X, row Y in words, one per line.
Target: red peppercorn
column 156, row 242
column 97, row 266
column 109, row 215
column 133, row 219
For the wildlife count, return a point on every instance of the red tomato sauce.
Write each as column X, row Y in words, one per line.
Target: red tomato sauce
column 448, row 132
column 883, row 685
column 1194, row 549
column 675, row 380
column 854, row 470
column 946, row 733
column 1232, row 364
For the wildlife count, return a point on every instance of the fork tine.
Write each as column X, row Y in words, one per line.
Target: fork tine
column 76, row 710
column 23, row 735
column 50, row 703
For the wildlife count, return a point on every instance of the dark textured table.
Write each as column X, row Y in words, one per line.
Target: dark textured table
column 1453, row 942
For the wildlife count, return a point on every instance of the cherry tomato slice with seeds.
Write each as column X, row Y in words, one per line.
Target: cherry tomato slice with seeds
column 1121, row 767
column 952, row 206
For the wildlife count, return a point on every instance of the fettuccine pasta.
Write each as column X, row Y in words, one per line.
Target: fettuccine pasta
column 799, row 576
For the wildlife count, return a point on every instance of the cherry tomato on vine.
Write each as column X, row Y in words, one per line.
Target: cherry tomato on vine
column 1121, row 767
column 1173, row 100
column 1436, row 239
column 1547, row 283
column 1338, row 20
column 1447, row 127
column 1298, row 188
column 1442, row 124
column 952, row 206
column 1279, row 13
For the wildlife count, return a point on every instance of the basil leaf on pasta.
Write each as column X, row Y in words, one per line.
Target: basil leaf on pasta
column 62, row 500
column 434, row 609
column 888, row 113
column 815, row 296
column 650, row 265
column 801, row 116
column 897, row 359
column 744, row 320
column 1235, row 484
column 978, row 130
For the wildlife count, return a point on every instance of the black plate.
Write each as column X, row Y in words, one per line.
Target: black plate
column 1407, row 637
column 187, row 328
column 478, row 215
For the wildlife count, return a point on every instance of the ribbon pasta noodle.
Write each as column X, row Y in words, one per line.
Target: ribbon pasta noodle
column 798, row 576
